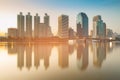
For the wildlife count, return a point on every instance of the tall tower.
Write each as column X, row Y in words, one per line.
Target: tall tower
column 95, row 29
column 63, row 24
column 20, row 25
column 46, row 19
column 28, row 26
column 36, row 26
column 82, row 24
column 98, row 27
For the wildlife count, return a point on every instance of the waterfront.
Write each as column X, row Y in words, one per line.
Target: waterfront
column 64, row 61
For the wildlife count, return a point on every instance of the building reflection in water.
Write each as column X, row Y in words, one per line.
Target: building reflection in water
column 28, row 49
column 82, row 56
column 109, row 47
column 20, row 55
column 12, row 48
column 43, row 51
column 71, row 48
column 99, row 54
column 63, row 55
column 36, row 56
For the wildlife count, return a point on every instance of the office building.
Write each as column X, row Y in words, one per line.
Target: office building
column 44, row 31
column 63, row 24
column 99, row 27
column 82, row 25
column 109, row 33
column 71, row 33
column 12, row 33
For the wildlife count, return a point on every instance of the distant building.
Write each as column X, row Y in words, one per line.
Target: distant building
column 99, row 27
column 63, row 24
column 79, row 30
column 12, row 32
column 44, row 31
column 71, row 33
column 20, row 25
column 28, row 26
column 36, row 26
column 109, row 33
column 46, row 19
column 117, row 37
column 82, row 25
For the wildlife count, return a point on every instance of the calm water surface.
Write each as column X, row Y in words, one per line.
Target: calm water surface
column 74, row 61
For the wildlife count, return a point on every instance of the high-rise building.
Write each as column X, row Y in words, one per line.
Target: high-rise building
column 28, row 26
column 63, row 24
column 99, row 27
column 46, row 19
column 20, row 25
column 36, row 26
column 95, row 30
column 82, row 25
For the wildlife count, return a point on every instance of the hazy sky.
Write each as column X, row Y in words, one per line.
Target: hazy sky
column 108, row 9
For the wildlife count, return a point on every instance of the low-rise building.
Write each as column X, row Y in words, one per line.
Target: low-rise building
column 12, row 32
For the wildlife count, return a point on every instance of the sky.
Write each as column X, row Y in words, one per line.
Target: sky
column 108, row 9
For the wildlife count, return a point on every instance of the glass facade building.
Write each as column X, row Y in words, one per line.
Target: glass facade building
column 99, row 27
column 82, row 25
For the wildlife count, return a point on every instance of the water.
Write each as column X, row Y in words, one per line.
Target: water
column 63, row 61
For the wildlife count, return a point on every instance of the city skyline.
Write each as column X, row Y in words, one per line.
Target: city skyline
column 57, row 7
column 59, row 39
column 43, row 30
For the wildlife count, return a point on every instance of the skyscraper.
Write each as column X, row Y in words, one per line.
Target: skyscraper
column 63, row 24
column 46, row 19
column 99, row 27
column 28, row 26
column 36, row 26
column 82, row 25
column 20, row 25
